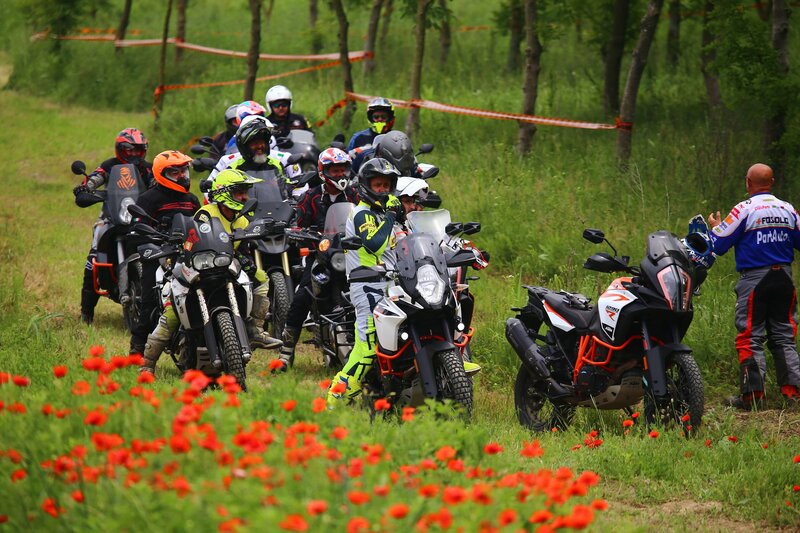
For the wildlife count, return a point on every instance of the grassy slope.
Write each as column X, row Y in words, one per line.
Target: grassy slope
column 44, row 242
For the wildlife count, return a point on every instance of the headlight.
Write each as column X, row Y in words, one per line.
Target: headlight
column 222, row 260
column 338, row 262
column 124, row 216
column 203, row 260
column 430, row 285
column 676, row 285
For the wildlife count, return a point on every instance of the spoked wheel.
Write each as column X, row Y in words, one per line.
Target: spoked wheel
column 534, row 410
column 685, row 399
column 280, row 299
column 452, row 382
column 231, row 349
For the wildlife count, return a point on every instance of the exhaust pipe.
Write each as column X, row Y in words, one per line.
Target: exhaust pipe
column 532, row 358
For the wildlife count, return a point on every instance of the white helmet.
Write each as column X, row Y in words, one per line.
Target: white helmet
column 414, row 187
column 278, row 92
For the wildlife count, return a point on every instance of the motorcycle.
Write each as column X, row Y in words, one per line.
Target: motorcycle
column 417, row 354
column 626, row 348
column 304, row 143
column 116, row 270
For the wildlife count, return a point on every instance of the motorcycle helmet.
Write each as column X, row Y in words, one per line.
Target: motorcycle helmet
column 380, row 104
column 700, row 249
column 278, row 93
column 249, row 108
column 372, row 169
column 395, row 147
column 334, row 157
column 131, row 146
column 171, row 170
column 251, row 128
column 231, row 119
column 228, row 182
column 416, row 188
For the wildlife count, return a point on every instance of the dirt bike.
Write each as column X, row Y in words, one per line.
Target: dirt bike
column 417, row 355
column 626, row 348
column 116, row 270
column 304, row 143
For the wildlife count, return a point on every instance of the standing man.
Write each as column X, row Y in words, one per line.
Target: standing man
column 764, row 232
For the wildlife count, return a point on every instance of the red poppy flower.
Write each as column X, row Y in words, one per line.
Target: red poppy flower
column 408, row 414
column 708, row 443
column 428, row 491
column 95, row 418
column 59, row 371
column 324, row 384
column 93, row 364
column 179, row 444
column 492, row 448
column 358, row 524
column 315, row 507
column 733, row 439
column 381, row 404
column 381, row 490
column 275, row 364
column 18, row 475
column 339, row 433
column 531, row 449
column 454, row 495
column 600, row 505
column 97, row 350
column 357, row 497
column 21, row 381
column 50, row 507
column 81, row 388
column 445, row 453
column 635, row 415
column 796, row 459
column 318, row 405
column 627, row 423
column 232, row 525
column 77, row 496
column 507, row 516
column 653, row 434
column 398, row 510
column 146, row 377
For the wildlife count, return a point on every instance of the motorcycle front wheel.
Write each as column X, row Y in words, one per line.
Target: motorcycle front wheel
column 452, row 382
column 132, row 310
column 534, row 410
column 231, row 349
column 280, row 299
column 685, row 400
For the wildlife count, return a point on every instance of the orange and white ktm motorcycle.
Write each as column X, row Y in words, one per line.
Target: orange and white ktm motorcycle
column 626, row 348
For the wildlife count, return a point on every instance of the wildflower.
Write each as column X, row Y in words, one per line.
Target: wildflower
column 315, row 507
column 454, row 495
column 445, row 453
column 635, row 415
column 381, row 490
column 95, row 418
column 653, row 434
column 358, row 524
column 21, row 381
column 339, row 433
column 539, row 517
column 492, row 448
column 580, row 518
column 146, row 377
column 339, row 388
column 97, row 351
column 600, row 505
column 589, row 478
column 77, row 496
column 685, row 418
column 93, row 364
column 733, row 439
column 627, row 423
column 708, row 443
column 531, row 449
column 398, row 510
column 59, row 371
column 428, row 491
column 507, row 516
column 18, row 475
column 765, row 445
column 275, row 364
column 81, row 388
column 408, row 414
column 576, row 447
column 318, row 405
column 381, row 404
column 288, row 405
column 50, row 507
column 324, row 384
column 230, row 526
column 357, row 497
column 179, row 444
column 796, row 459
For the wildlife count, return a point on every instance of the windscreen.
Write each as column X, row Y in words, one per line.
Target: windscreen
column 336, row 217
column 416, row 250
column 430, row 222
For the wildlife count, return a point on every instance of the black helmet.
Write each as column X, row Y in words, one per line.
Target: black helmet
column 371, row 169
column 230, row 119
column 395, row 147
column 380, row 104
column 253, row 127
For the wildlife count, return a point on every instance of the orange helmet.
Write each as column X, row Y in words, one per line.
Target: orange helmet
column 171, row 170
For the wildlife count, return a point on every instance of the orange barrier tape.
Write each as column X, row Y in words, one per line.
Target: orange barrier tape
column 473, row 112
column 331, row 110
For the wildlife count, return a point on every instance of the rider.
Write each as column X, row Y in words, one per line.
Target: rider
column 170, row 196
column 373, row 222
column 248, row 108
column 279, row 102
column 229, row 194
column 253, row 140
column 221, row 139
column 130, row 147
column 380, row 113
column 334, row 170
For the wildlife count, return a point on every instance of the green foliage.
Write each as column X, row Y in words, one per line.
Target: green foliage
column 59, row 16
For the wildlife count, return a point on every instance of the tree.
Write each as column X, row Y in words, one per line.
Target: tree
column 638, row 62
column 445, row 35
column 412, row 122
column 123, row 22
column 316, row 35
column 347, row 74
column 533, row 53
column 613, row 56
column 707, row 57
column 180, row 29
column 509, row 19
column 388, row 9
column 775, row 125
column 372, row 34
column 255, row 49
column 162, row 69
column 674, row 33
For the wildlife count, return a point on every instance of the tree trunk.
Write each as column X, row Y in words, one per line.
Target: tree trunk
column 255, row 48
column 613, row 59
column 372, row 34
column 517, row 34
column 445, row 35
column 180, row 30
column 638, row 61
column 673, row 33
column 764, row 9
column 776, row 124
column 707, row 56
column 123, row 23
column 347, row 74
column 162, row 68
column 388, row 9
column 533, row 54
column 316, row 36
column 268, row 13
column 412, row 122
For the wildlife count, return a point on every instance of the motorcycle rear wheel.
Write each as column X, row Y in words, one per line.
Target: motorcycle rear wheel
column 280, row 299
column 534, row 410
column 132, row 311
column 685, row 396
column 452, row 382
column 231, row 349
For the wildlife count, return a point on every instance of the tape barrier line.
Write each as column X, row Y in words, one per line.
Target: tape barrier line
column 498, row 115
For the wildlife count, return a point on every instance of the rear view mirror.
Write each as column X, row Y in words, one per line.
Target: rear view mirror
column 595, row 236
column 294, row 158
column 433, row 201
column 206, row 141
column 284, row 142
column 601, row 262
column 144, row 229
column 471, row 228
column 249, row 205
column 430, row 172
column 78, row 168
column 425, row 149
column 203, row 164
column 454, row 228
column 205, row 185
column 351, row 243
column 197, row 149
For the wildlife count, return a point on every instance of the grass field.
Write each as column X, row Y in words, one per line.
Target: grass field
column 737, row 474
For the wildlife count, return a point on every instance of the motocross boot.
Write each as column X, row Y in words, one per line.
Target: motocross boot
column 154, row 347
column 749, row 402
column 286, row 355
column 347, row 388
column 255, row 323
column 471, row 368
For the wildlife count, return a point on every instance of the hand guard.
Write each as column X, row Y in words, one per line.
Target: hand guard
column 79, row 189
column 248, row 265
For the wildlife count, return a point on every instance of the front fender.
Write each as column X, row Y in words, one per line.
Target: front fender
column 424, row 358
column 656, row 358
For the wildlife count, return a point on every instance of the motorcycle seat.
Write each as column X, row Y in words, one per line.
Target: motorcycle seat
column 565, row 305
